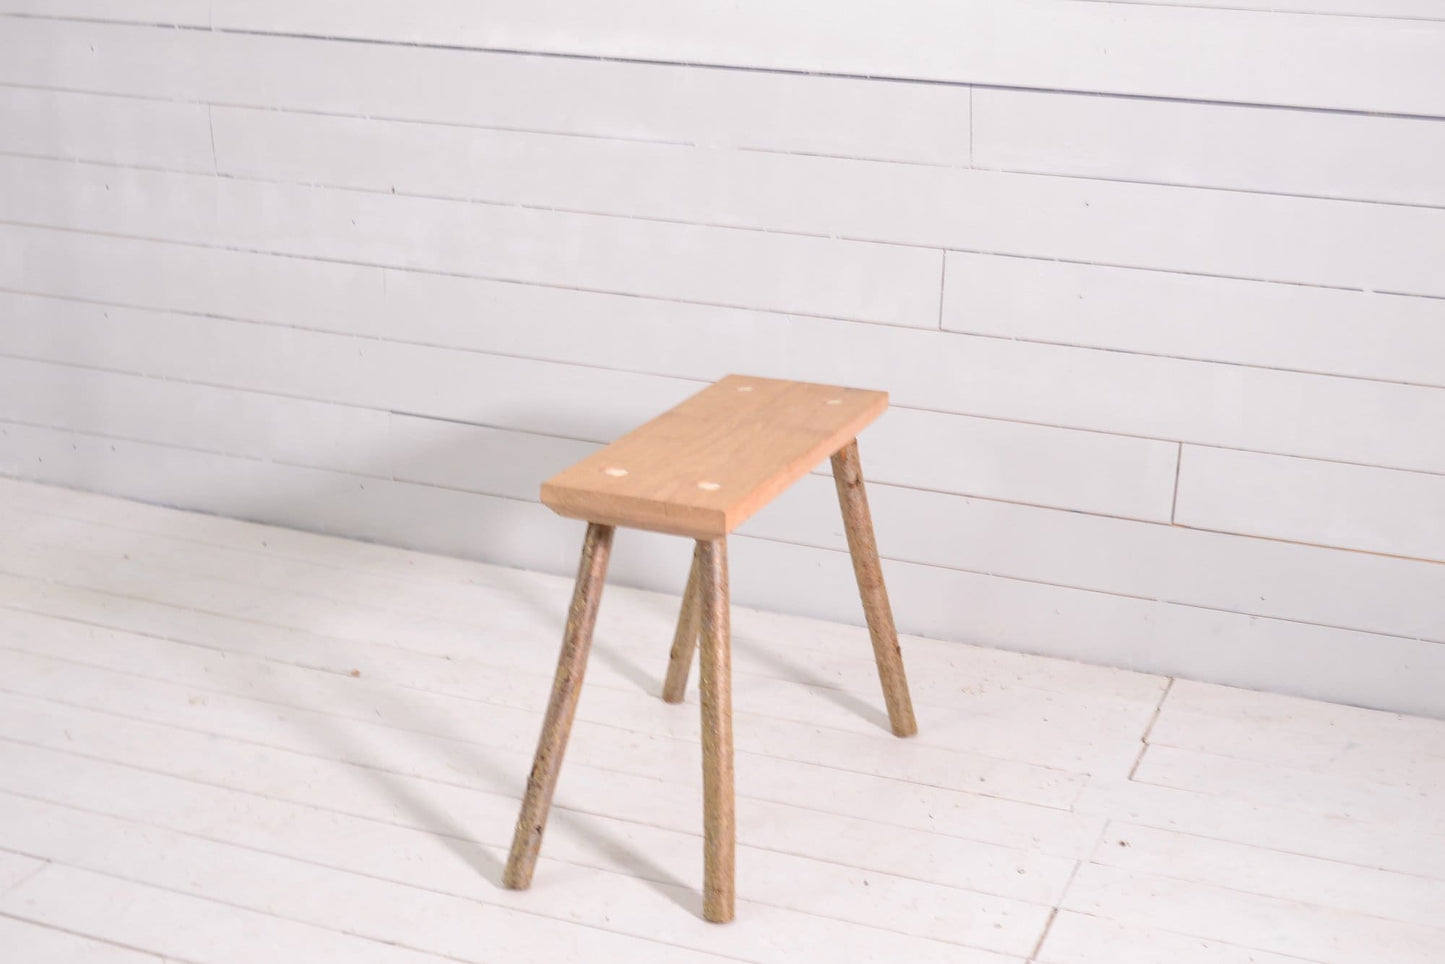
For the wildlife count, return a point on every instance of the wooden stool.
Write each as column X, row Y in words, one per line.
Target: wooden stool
column 700, row 470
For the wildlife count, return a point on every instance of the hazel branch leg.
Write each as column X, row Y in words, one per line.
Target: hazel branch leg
column 689, row 624
column 566, row 687
column 715, row 672
column 848, row 476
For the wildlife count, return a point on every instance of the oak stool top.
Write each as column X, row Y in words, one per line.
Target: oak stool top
column 702, row 468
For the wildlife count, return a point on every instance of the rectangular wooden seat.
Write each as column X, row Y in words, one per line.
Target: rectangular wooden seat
column 702, row 468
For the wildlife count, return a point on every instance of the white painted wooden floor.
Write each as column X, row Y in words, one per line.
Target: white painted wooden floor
column 226, row 742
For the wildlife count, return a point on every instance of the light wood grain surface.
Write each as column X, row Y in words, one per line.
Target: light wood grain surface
column 705, row 466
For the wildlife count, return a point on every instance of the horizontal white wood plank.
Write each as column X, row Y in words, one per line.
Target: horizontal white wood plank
column 1396, row 9
column 46, row 945
column 1401, row 756
column 109, row 59
column 1277, row 925
column 1233, row 406
column 1220, row 571
column 188, row 928
column 1304, row 240
column 1303, row 500
column 1332, row 331
column 116, row 130
column 475, row 458
column 920, row 123
column 1015, row 462
column 1340, row 795
column 1323, row 154
column 1321, row 736
column 1075, row 938
column 1271, row 873
column 1268, row 411
column 1373, row 65
column 1383, row 671
column 1387, row 672
column 194, row 13
column 325, row 295
column 874, row 282
column 178, row 413
column 1355, row 744
column 1360, row 843
column 1076, row 470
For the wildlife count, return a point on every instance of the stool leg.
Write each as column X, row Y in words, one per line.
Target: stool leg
column 715, row 671
column 689, row 624
column 848, row 476
column 566, row 687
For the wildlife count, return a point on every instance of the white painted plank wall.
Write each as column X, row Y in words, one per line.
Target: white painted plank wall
column 1168, row 368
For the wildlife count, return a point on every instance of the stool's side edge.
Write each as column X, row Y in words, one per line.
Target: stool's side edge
column 694, row 522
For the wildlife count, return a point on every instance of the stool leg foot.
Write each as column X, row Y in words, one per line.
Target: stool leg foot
column 566, row 687
column 689, row 622
column 715, row 670
column 848, row 476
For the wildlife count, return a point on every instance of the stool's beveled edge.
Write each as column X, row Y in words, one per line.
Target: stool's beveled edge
column 695, row 523
column 757, row 436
